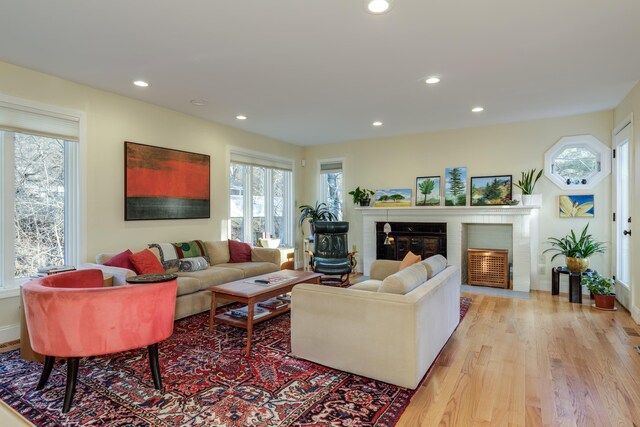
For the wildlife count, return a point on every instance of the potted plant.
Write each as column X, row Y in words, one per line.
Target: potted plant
column 319, row 212
column 527, row 183
column 577, row 250
column 361, row 196
column 602, row 289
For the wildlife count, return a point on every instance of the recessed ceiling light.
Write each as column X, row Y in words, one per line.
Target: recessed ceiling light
column 378, row 6
column 377, row 123
column 141, row 83
column 241, row 117
column 432, row 80
column 199, row 102
column 477, row 109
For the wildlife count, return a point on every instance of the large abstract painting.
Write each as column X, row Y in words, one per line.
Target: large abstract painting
column 161, row 183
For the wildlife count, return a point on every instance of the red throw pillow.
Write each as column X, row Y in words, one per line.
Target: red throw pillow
column 239, row 252
column 145, row 262
column 121, row 260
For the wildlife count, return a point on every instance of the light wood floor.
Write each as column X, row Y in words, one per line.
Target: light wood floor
column 537, row 362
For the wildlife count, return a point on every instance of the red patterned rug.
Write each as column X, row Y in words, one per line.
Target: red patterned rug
column 208, row 382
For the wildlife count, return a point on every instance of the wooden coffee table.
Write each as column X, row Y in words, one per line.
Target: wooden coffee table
column 249, row 292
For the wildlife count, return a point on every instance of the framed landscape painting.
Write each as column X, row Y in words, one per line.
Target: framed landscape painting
column 161, row 183
column 490, row 190
column 428, row 191
column 575, row 206
column 455, row 193
column 392, row 198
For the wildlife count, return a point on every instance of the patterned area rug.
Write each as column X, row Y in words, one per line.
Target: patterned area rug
column 208, row 382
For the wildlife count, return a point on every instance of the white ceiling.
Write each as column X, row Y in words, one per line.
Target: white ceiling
column 321, row 71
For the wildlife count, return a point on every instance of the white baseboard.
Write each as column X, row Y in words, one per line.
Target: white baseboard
column 9, row 333
column 635, row 314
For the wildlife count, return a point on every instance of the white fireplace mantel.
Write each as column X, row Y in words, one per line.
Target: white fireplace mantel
column 523, row 219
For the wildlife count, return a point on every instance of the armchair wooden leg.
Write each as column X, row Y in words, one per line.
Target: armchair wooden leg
column 155, row 366
column 46, row 371
column 72, row 376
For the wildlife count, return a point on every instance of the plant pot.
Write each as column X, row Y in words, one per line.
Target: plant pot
column 365, row 202
column 605, row 302
column 577, row 265
column 532, row 200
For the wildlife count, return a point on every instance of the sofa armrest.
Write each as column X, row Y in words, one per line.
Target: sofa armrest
column 381, row 268
column 271, row 255
column 120, row 275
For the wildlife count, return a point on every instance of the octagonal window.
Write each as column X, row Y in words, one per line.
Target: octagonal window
column 577, row 162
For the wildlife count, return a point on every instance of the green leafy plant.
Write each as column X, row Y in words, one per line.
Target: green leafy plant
column 319, row 212
column 361, row 195
column 575, row 247
column 527, row 182
column 599, row 285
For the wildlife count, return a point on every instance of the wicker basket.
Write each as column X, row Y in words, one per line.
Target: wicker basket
column 488, row 267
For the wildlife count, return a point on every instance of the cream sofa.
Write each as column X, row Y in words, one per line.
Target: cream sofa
column 389, row 328
column 193, row 294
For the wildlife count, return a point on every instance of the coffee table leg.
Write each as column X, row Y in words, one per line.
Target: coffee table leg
column 249, row 325
column 212, row 314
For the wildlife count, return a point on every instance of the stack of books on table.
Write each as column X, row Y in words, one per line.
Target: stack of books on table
column 273, row 304
column 242, row 312
column 53, row 269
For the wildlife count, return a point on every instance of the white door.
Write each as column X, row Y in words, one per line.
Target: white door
column 622, row 191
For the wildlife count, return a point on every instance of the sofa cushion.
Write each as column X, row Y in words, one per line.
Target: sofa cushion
column 145, row 262
column 367, row 285
column 434, row 265
column 213, row 276
column 404, row 281
column 218, row 252
column 188, row 285
column 239, row 252
column 250, row 269
column 193, row 264
column 409, row 259
column 168, row 255
column 121, row 260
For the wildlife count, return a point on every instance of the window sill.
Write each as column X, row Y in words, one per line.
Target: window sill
column 9, row 293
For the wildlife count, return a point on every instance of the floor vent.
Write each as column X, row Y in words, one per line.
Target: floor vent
column 8, row 346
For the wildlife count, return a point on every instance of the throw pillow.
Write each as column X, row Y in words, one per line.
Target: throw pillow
column 404, row 281
column 193, row 264
column 434, row 265
column 168, row 256
column 409, row 259
column 121, row 260
column 239, row 252
column 191, row 249
column 145, row 262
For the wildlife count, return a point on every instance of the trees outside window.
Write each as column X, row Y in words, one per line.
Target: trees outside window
column 331, row 187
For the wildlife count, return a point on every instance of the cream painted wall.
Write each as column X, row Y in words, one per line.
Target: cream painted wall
column 631, row 104
column 113, row 119
column 493, row 150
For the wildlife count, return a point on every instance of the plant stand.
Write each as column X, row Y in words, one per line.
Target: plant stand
column 575, row 279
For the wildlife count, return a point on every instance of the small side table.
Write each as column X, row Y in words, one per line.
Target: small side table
column 575, row 280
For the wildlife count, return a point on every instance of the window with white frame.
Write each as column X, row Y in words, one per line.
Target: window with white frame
column 577, row 162
column 331, row 187
column 260, row 198
column 39, row 201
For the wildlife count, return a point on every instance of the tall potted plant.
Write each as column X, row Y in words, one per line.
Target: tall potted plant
column 361, row 196
column 576, row 249
column 319, row 212
column 527, row 183
column 602, row 289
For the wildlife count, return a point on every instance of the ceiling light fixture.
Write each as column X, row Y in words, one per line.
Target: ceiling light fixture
column 199, row 102
column 432, row 80
column 378, row 7
column 241, row 117
column 141, row 83
column 377, row 123
column 477, row 109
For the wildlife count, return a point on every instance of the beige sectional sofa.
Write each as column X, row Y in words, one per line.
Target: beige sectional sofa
column 390, row 328
column 193, row 295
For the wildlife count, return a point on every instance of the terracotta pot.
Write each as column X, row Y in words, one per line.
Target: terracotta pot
column 607, row 302
column 577, row 265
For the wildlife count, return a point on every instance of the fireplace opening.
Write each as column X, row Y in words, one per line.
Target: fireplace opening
column 422, row 238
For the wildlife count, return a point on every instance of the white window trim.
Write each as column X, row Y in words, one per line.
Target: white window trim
column 569, row 141
column 319, row 183
column 75, row 215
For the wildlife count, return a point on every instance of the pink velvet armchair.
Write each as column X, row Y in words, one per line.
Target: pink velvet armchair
column 71, row 315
